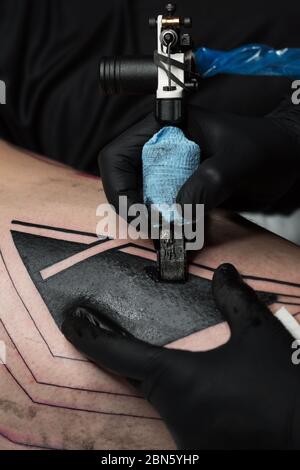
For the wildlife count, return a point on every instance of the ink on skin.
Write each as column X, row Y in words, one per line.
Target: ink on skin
column 117, row 285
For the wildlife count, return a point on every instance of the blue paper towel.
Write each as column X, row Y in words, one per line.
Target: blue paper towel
column 169, row 160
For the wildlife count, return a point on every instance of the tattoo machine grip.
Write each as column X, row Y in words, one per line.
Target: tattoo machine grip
column 169, row 160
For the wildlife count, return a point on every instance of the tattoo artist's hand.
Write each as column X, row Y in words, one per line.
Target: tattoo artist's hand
column 244, row 394
column 247, row 163
column 121, row 163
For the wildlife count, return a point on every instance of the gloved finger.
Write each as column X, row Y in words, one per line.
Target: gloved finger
column 111, row 350
column 209, row 186
column 230, row 156
column 237, row 301
column 121, row 165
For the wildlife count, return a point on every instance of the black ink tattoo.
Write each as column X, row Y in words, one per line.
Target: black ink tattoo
column 117, row 285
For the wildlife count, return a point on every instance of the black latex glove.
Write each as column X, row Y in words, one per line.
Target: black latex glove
column 121, row 163
column 244, row 394
column 247, row 163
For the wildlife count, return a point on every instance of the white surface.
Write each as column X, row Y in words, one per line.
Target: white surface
column 289, row 322
column 287, row 226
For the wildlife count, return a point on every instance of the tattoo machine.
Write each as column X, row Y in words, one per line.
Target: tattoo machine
column 170, row 73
